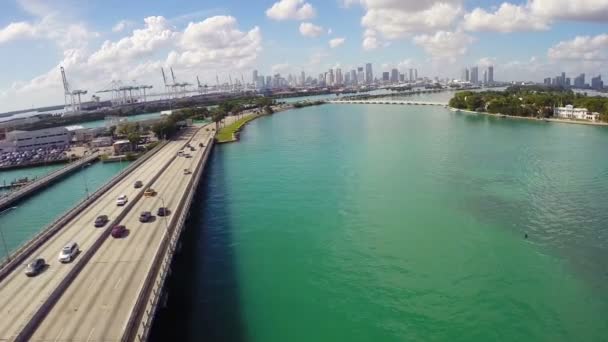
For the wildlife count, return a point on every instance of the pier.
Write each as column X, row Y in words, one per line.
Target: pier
column 111, row 290
column 45, row 181
column 389, row 102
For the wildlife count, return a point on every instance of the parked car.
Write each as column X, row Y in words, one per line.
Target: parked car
column 68, row 252
column 138, row 184
column 162, row 211
column 101, row 220
column 149, row 192
column 145, row 216
column 35, row 267
column 118, row 231
column 122, row 200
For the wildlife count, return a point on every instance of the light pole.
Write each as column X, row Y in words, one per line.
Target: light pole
column 8, row 256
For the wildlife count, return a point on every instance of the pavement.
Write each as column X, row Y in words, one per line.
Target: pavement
column 95, row 304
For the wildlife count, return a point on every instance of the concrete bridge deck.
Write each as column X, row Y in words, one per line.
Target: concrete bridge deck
column 45, row 181
column 389, row 102
column 96, row 297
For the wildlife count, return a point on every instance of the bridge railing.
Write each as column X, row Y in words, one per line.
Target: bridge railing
column 18, row 257
column 143, row 313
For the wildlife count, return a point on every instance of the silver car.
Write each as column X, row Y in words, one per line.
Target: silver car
column 69, row 252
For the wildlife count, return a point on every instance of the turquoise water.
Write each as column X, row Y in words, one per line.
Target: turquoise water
column 31, row 215
column 133, row 118
column 31, row 172
column 396, row 223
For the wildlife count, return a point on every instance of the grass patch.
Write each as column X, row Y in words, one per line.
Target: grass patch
column 227, row 133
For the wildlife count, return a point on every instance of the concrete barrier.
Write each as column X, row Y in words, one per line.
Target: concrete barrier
column 19, row 256
column 29, row 329
column 144, row 311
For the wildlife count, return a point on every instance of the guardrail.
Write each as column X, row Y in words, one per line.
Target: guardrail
column 33, row 323
column 146, row 305
column 44, row 181
column 18, row 256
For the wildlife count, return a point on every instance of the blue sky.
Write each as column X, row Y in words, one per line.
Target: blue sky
column 525, row 40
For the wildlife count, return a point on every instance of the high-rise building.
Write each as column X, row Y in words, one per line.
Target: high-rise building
column 491, row 74
column 411, row 78
column 339, row 80
column 369, row 75
column 254, row 77
column 303, row 79
column 474, row 75
column 465, row 75
column 547, row 81
column 385, row 76
column 360, row 75
column 353, row 77
column 394, row 76
column 331, row 79
column 579, row 81
column 268, row 81
column 401, row 78
column 347, row 78
column 597, row 83
column 415, row 74
column 485, row 77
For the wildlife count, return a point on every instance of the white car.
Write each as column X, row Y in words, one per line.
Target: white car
column 122, row 200
column 69, row 252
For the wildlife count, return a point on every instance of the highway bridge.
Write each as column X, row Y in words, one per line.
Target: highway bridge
column 110, row 291
column 389, row 102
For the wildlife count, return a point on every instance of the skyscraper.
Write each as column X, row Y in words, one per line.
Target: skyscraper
column 394, row 76
column 331, row 79
column 474, row 75
column 485, row 77
column 385, row 77
column 254, row 77
column 491, row 74
column 339, row 80
column 411, row 78
column 597, row 83
column 369, row 75
column 353, row 76
column 303, row 79
column 415, row 74
column 465, row 75
column 579, row 81
column 360, row 75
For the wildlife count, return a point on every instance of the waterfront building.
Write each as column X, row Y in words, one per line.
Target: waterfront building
column 401, row 78
column 347, row 78
column 491, row 74
column 369, row 75
column 303, row 79
column 465, row 75
column 254, row 77
column 485, row 77
column 411, row 74
column 17, row 141
column 360, row 75
column 474, row 75
column 415, row 74
column 339, row 80
column 394, row 76
column 597, row 83
column 353, row 77
column 570, row 112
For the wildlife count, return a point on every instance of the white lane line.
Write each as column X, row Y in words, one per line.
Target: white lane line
column 59, row 336
column 117, row 283
column 90, row 335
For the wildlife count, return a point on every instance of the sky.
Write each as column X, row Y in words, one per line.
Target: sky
column 100, row 41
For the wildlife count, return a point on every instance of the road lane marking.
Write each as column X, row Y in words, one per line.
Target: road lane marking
column 90, row 335
column 59, row 336
column 117, row 283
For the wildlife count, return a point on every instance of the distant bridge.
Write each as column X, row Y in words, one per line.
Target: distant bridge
column 389, row 102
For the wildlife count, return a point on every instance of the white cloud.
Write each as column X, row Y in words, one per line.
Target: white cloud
column 281, row 68
column 485, row 62
column 370, row 40
column 291, row 9
column 581, row 48
column 507, row 18
column 311, row 30
column 15, row 31
column 336, row 42
column 121, row 26
column 444, row 44
column 583, row 10
column 206, row 47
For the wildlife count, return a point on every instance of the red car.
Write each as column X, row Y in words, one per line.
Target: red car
column 118, row 231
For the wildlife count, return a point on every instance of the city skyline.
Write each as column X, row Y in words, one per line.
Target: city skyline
column 97, row 44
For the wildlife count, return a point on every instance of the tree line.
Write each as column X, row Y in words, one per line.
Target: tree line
column 529, row 101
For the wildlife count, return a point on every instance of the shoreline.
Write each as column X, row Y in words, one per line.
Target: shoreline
column 235, row 134
column 588, row 123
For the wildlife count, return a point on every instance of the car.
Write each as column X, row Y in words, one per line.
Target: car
column 138, row 184
column 201, row 145
column 122, row 200
column 162, row 211
column 145, row 216
column 187, row 155
column 35, row 267
column 187, row 171
column 68, row 252
column 192, row 149
column 101, row 220
column 180, row 153
column 118, row 231
column 149, row 192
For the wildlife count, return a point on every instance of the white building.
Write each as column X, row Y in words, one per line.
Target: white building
column 17, row 141
column 569, row 112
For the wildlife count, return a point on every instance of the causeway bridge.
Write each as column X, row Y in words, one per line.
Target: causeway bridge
column 111, row 290
column 389, row 102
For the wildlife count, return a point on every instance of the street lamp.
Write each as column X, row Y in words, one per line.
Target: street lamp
column 8, row 256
